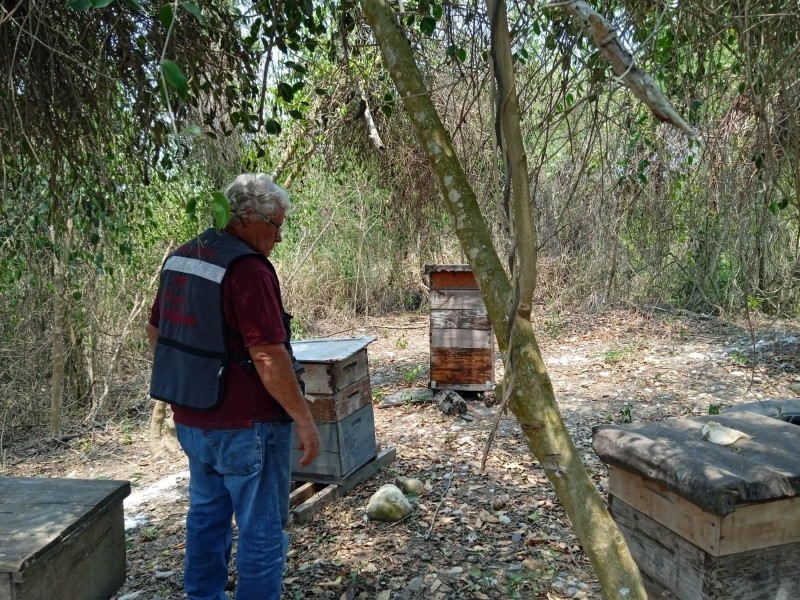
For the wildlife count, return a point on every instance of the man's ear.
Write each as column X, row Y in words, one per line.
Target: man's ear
column 248, row 217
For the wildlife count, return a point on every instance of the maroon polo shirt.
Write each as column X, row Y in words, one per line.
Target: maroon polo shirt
column 252, row 307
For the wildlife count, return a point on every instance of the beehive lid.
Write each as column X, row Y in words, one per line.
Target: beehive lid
column 38, row 513
column 715, row 478
column 328, row 350
column 437, row 268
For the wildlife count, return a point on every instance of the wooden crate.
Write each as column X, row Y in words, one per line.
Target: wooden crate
column 345, row 446
column 708, row 522
column 336, row 375
column 61, row 538
column 461, row 337
column 340, row 397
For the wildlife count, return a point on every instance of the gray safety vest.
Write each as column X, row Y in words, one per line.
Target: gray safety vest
column 191, row 360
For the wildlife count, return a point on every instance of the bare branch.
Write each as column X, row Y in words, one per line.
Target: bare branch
column 640, row 83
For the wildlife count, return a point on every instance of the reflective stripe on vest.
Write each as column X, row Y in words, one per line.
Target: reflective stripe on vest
column 192, row 266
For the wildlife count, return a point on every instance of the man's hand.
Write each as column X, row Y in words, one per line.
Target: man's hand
column 274, row 366
column 308, row 435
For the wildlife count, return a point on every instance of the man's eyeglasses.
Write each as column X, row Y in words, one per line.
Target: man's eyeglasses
column 275, row 225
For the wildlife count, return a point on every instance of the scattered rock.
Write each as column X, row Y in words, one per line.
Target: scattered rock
column 164, row 574
column 451, row 403
column 388, row 504
column 409, row 485
column 406, row 397
column 499, row 503
column 415, row 585
column 131, row 596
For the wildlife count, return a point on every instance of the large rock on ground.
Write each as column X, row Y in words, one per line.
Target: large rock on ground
column 388, row 504
column 451, row 403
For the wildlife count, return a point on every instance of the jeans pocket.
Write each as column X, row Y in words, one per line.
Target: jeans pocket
column 237, row 451
column 184, row 433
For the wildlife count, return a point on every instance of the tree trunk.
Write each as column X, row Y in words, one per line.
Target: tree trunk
column 59, row 313
column 531, row 397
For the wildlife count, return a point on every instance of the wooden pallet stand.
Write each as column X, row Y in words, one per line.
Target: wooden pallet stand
column 310, row 497
column 704, row 521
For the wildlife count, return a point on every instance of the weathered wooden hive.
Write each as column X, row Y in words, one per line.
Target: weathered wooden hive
column 338, row 388
column 704, row 521
column 461, row 337
column 61, row 538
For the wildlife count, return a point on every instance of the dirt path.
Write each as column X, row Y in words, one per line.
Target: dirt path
column 459, row 542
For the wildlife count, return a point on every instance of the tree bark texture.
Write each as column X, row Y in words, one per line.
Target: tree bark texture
column 60, row 263
column 531, row 399
column 510, row 139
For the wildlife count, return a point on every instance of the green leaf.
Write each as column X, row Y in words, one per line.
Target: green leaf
column 79, row 4
column 174, row 76
column 101, row 3
column 461, row 55
column 570, row 99
column 133, row 4
column 193, row 130
column 295, row 114
column 195, row 10
column 773, row 207
column 437, row 11
column 166, row 16
column 191, row 207
column 285, row 91
column 427, row 25
column 272, row 127
column 221, row 210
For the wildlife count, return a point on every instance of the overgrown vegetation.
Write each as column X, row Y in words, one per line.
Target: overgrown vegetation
column 117, row 122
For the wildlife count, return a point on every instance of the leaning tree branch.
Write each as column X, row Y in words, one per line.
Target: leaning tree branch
column 640, row 83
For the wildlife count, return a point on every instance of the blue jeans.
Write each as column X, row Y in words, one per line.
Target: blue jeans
column 245, row 472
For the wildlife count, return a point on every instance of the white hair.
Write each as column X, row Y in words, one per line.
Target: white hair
column 256, row 197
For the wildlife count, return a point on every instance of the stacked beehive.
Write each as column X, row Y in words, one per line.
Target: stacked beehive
column 338, row 388
column 461, row 337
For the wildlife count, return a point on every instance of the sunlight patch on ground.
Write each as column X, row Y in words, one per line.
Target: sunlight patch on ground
column 164, row 490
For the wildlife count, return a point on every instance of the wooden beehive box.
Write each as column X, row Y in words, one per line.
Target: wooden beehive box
column 61, row 538
column 703, row 521
column 340, row 397
column 461, row 337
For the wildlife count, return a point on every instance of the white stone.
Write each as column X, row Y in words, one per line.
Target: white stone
column 388, row 504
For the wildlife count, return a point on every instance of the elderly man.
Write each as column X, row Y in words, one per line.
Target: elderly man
column 222, row 358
